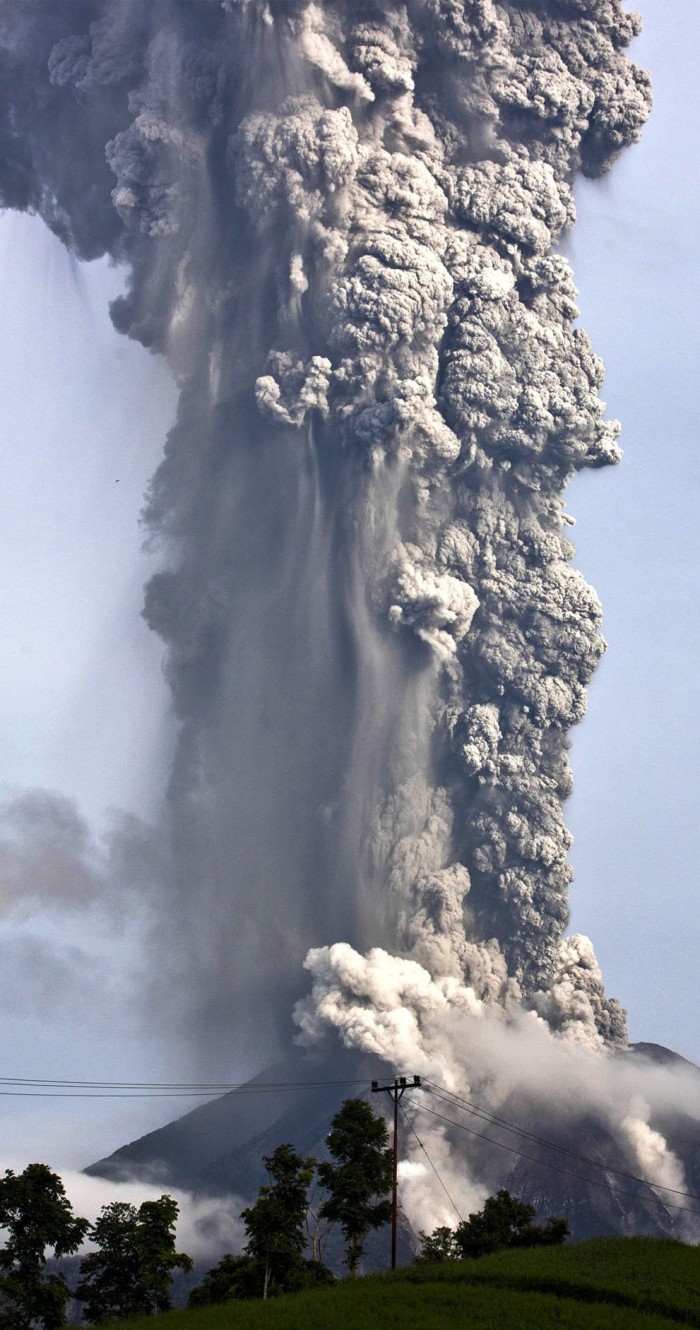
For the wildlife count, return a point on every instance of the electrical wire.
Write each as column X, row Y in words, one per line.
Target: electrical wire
column 179, row 1085
column 68, row 1089
column 432, row 1165
column 556, row 1168
column 109, row 1094
column 494, row 1120
column 153, row 1089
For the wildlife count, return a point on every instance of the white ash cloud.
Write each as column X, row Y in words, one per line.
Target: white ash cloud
column 484, row 1052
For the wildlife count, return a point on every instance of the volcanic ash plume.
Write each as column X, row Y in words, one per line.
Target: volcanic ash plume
column 339, row 221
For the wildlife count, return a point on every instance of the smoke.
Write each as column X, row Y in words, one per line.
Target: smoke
column 51, row 861
column 504, row 1061
column 77, row 913
column 339, row 225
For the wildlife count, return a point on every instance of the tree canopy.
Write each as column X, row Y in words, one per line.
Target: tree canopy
column 36, row 1215
column 357, row 1177
column 131, row 1270
column 276, row 1224
column 504, row 1221
column 283, row 1222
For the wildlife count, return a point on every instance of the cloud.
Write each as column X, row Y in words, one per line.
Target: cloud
column 51, row 861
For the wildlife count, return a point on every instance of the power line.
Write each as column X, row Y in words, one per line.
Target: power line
column 55, row 1089
column 178, row 1085
column 432, row 1165
column 493, row 1119
column 70, row 1089
column 556, row 1168
column 109, row 1094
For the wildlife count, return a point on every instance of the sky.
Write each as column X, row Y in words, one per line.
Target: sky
column 636, row 757
column 83, row 705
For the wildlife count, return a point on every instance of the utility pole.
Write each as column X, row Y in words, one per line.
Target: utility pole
column 396, row 1090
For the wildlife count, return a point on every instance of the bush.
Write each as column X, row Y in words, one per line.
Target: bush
column 504, row 1221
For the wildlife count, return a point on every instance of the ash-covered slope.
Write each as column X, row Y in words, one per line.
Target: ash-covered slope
column 218, row 1148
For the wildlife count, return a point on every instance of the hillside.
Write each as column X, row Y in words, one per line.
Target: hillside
column 603, row 1284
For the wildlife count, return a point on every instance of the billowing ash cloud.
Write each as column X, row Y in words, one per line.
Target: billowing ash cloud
column 339, row 221
column 395, row 1009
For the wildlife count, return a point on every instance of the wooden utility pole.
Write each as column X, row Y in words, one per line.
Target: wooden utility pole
column 396, row 1090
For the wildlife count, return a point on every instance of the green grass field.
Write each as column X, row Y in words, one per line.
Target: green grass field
column 604, row 1284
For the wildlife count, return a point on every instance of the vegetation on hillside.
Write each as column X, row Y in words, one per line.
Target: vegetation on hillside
column 37, row 1217
column 283, row 1220
column 357, row 1177
column 129, row 1271
column 498, row 1267
column 610, row 1283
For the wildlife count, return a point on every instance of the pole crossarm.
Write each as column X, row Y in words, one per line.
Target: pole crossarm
column 396, row 1090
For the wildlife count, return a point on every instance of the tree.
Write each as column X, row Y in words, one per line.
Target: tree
column 241, row 1277
column 156, row 1250
column 233, row 1277
column 440, row 1245
column 357, row 1177
column 131, row 1271
column 504, row 1221
column 276, row 1227
column 109, row 1284
column 276, row 1224
column 35, row 1214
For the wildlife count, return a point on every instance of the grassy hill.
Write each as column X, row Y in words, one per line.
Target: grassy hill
column 603, row 1284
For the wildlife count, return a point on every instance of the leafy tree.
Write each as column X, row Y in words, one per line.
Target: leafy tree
column 109, row 1284
column 233, row 1277
column 242, row 1277
column 356, row 1180
column 35, row 1214
column 440, row 1245
column 504, row 1221
column 276, row 1224
column 131, row 1271
column 314, row 1274
column 157, row 1256
column 357, row 1177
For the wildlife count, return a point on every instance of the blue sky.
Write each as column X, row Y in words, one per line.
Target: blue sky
column 84, row 416
column 83, row 706
column 636, row 757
